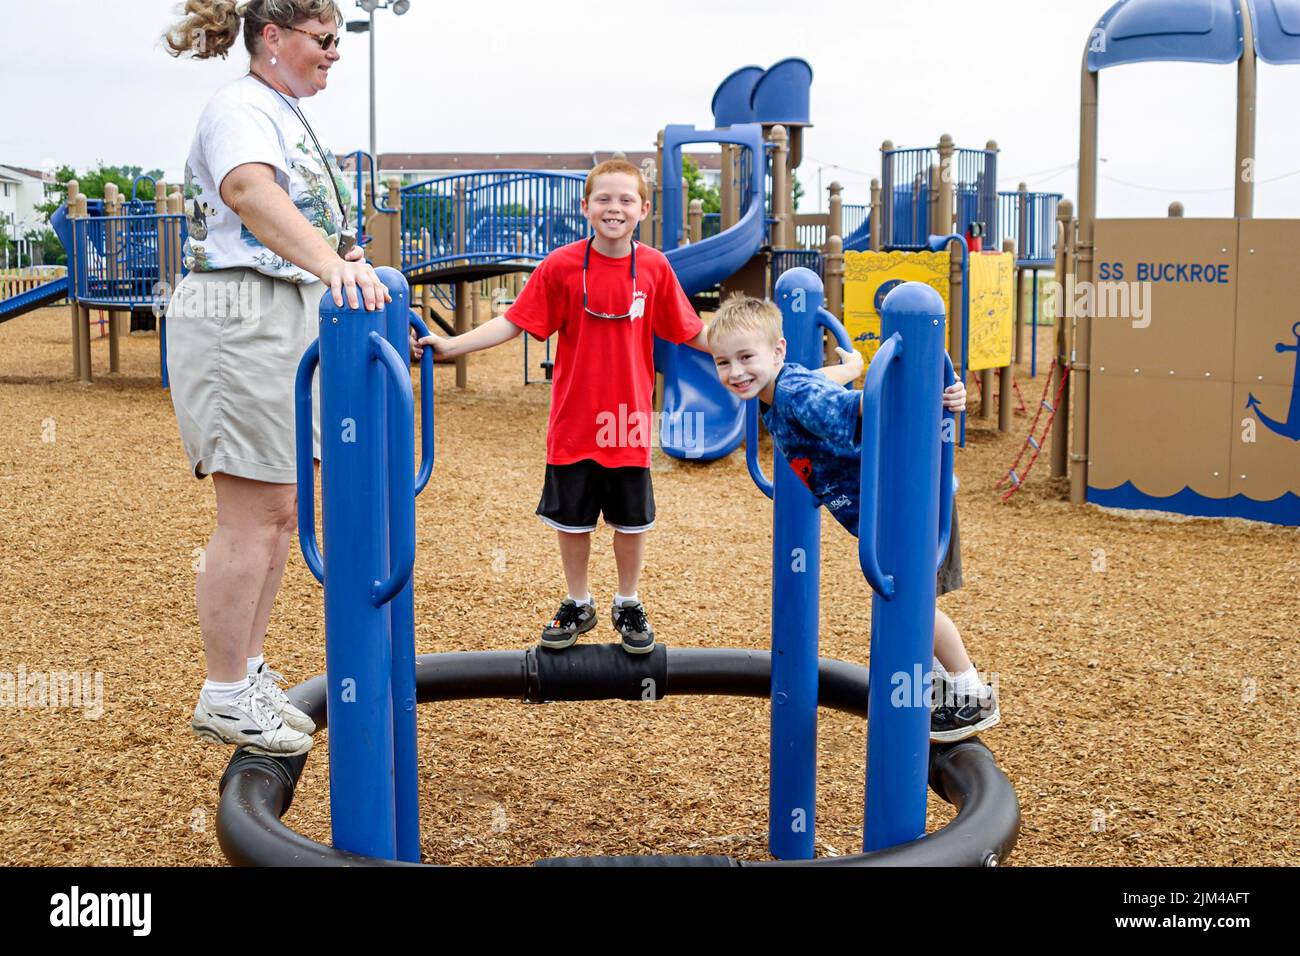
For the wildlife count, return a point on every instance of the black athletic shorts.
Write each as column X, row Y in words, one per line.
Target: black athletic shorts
column 950, row 570
column 575, row 495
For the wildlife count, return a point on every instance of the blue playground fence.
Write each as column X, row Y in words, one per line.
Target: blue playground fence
column 126, row 261
column 503, row 215
column 905, row 186
column 1030, row 220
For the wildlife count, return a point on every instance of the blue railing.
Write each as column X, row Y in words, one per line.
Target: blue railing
column 503, row 215
column 122, row 261
column 783, row 260
column 905, row 185
column 1030, row 220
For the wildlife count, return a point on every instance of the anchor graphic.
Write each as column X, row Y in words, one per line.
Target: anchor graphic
column 1291, row 427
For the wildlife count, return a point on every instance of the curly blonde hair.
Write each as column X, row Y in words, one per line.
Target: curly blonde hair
column 209, row 28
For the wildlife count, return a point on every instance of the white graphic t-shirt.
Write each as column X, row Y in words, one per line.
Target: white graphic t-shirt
column 248, row 122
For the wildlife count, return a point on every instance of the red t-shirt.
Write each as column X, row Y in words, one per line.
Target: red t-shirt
column 602, row 388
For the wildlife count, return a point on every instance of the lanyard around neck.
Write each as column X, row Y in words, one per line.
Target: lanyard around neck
column 329, row 174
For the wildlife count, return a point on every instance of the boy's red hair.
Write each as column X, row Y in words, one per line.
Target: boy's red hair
column 617, row 166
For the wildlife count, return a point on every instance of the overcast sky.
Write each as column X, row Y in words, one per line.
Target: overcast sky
column 87, row 80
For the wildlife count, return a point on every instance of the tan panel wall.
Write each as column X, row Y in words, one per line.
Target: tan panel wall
column 1269, row 466
column 1191, row 321
column 1268, row 301
column 1162, row 435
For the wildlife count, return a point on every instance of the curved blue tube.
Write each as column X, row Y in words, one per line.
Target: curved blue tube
column 938, row 244
column 426, row 408
column 304, row 455
column 751, row 449
column 402, row 489
column 868, row 514
column 945, row 470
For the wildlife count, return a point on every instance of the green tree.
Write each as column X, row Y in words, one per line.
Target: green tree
column 798, row 193
column 696, row 188
column 91, row 183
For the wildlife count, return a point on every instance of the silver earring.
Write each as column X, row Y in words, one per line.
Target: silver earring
column 273, row 61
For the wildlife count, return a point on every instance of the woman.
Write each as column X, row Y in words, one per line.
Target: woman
column 268, row 234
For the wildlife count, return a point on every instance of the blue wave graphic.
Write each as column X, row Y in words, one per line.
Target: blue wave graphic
column 1283, row 510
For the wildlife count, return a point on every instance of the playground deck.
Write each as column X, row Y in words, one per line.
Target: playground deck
column 1132, row 729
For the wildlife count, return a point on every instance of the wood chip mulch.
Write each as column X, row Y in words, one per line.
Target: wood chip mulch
column 1144, row 662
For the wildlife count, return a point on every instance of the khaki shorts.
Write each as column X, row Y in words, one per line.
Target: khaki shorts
column 950, row 570
column 234, row 341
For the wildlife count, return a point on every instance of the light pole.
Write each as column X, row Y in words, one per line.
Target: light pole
column 399, row 7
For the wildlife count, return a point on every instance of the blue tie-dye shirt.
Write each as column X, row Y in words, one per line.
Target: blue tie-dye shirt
column 816, row 425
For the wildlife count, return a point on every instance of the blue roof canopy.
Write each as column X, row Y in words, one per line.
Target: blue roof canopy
column 731, row 99
column 781, row 93
column 1277, row 30
column 1196, row 31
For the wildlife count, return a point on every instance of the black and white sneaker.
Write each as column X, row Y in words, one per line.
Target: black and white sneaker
column 630, row 621
column 570, row 620
column 248, row 721
column 957, row 717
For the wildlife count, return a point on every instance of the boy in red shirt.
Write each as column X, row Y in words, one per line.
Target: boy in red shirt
column 608, row 296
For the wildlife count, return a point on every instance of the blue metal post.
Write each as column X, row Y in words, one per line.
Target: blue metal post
column 402, row 608
column 358, row 659
column 796, row 576
column 898, row 534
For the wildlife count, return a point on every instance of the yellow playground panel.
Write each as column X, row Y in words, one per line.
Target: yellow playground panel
column 992, row 320
column 869, row 277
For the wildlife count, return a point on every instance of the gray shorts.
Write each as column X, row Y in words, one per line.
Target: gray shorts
column 950, row 570
column 234, row 341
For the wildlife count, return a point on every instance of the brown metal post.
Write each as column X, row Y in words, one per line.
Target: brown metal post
column 395, row 237
column 877, row 224
column 657, row 230
column 942, row 224
column 780, row 188
column 1175, row 210
column 462, row 326
column 835, row 213
column 1080, row 241
column 725, row 186
column 1064, row 315
column 1243, row 202
column 946, row 203
column 83, row 314
column 686, row 213
column 833, row 252
column 1006, row 374
column 697, row 220
column 112, row 237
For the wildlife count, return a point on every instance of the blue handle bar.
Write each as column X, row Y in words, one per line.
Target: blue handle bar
column 751, row 449
column 402, row 486
column 305, row 455
column 868, row 514
column 426, row 407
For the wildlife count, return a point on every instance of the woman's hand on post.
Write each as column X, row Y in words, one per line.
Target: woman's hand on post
column 954, row 397
column 355, row 280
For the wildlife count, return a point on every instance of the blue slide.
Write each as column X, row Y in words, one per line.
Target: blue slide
column 24, row 302
column 702, row 420
column 49, row 292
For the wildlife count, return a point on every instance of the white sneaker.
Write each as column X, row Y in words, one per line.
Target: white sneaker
column 268, row 682
column 249, row 722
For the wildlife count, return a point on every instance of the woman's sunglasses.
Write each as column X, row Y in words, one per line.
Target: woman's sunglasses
column 327, row 41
